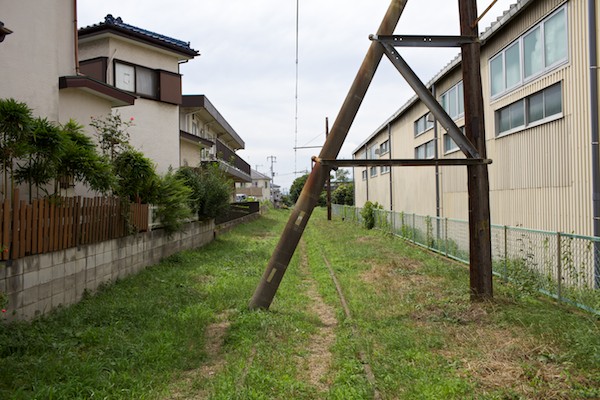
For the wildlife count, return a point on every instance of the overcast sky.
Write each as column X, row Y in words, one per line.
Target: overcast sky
column 247, row 66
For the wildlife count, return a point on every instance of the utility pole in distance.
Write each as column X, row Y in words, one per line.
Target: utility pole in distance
column 273, row 159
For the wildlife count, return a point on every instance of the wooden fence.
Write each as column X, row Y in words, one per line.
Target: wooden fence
column 47, row 225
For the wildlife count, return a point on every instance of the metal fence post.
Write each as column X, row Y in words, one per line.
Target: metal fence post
column 505, row 253
column 414, row 233
column 559, row 266
column 446, row 236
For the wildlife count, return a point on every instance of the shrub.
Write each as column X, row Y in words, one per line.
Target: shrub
column 368, row 214
column 215, row 192
column 191, row 177
column 172, row 201
column 136, row 177
column 211, row 190
column 343, row 194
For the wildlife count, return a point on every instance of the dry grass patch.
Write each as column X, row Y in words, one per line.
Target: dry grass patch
column 501, row 359
column 401, row 275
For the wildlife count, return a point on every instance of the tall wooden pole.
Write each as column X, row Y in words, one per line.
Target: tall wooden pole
column 280, row 259
column 480, row 247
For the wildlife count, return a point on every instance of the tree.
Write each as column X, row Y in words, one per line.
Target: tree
column 343, row 194
column 112, row 134
column 15, row 125
column 342, row 175
column 61, row 154
column 81, row 162
column 136, row 175
column 296, row 188
column 43, row 147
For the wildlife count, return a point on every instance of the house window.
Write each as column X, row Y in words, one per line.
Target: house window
column 536, row 52
column 449, row 143
column 125, row 77
column 136, row 79
column 422, row 125
column 540, row 107
column 266, row 185
column 425, row 151
column 146, row 82
column 373, row 171
column 453, row 101
column 384, row 148
column 373, row 150
column 364, row 175
column 385, row 169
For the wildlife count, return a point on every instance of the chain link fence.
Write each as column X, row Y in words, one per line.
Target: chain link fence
column 563, row 266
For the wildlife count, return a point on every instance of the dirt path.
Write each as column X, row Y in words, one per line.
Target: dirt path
column 213, row 342
column 318, row 362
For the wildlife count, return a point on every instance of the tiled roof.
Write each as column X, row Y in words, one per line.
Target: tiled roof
column 120, row 27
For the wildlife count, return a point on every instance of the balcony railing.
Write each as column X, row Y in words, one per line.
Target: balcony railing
column 230, row 157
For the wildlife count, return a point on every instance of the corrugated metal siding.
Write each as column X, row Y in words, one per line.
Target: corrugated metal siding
column 540, row 177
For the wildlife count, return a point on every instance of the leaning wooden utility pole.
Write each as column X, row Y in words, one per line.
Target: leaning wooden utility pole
column 280, row 259
column 480, row 248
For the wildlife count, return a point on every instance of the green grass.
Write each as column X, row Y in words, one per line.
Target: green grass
column 145, row 337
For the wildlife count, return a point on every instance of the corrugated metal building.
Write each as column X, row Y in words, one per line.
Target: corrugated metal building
column 536, row 71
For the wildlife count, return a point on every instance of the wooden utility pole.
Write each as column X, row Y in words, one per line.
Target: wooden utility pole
column 480, row 248
column 280, row 259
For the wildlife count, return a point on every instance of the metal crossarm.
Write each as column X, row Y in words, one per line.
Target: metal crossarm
column 427, row 98
column 423, row 41
column 410, row 162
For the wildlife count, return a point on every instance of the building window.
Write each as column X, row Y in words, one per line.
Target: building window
column 136, row 79
column 449, row 143
column 384, row 148
column 364, row 175
column 536, row 52
column 422, row 125
column 125, row 77
column 266, row 185
column 385, row 169
column 538, row 108
column 372, row 153
column 425, row 151
column 453, row 101
column 373, row 171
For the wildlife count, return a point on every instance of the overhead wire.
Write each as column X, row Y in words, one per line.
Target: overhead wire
column 296, row 93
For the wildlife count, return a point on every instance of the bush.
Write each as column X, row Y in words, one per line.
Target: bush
column 172, row 201
column 215, row 192
column 137, row 179
column 368, row 214
column 343, row 194
column 211, row 190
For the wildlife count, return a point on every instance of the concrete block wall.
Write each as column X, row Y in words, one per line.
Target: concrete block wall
column 37, row 284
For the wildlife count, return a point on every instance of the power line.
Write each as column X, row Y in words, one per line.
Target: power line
column 296, row 93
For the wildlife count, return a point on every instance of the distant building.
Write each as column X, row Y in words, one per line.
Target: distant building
column 259, row 188
column 205, row 136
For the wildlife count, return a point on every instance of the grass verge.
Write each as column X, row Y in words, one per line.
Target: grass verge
column 181, row 330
